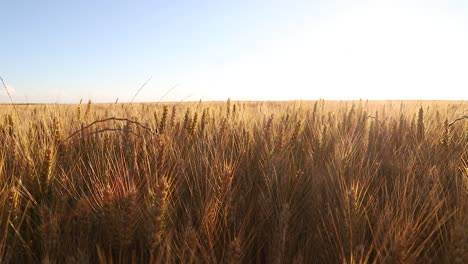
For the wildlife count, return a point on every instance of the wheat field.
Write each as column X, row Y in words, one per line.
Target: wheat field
column 235, row 182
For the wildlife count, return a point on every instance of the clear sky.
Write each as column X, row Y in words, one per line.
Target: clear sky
column 62, row 51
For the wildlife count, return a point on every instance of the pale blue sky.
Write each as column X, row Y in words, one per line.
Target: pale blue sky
column 61, row 51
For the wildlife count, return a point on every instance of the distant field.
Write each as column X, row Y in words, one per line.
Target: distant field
column 235, row 182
